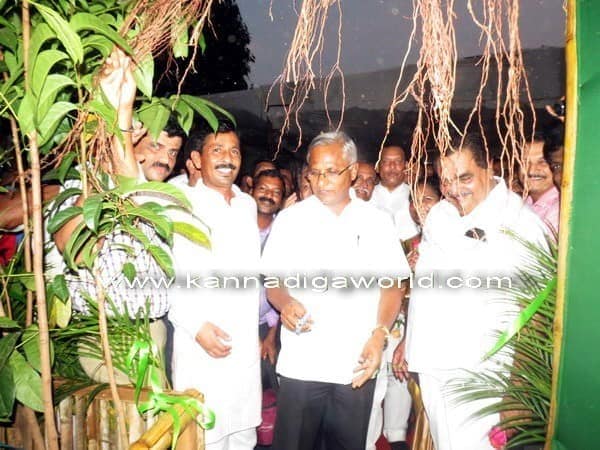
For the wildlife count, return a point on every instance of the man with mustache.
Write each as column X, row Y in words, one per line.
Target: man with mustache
column 333, row 334
column 366, row 180
column 538, row 180
column 453, row 323
column 215, row 316
column 268, row 192
column 391, row 194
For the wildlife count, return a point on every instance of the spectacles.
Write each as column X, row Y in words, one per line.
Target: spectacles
column 328, row 175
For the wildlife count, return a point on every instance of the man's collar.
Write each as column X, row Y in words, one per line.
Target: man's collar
column 547, row 198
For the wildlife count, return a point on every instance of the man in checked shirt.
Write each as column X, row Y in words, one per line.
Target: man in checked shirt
column 147, row 160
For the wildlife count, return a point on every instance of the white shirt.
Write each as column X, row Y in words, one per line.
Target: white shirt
column 231, row 385
column 307, row 240
column 451, row 328
column 396, row 203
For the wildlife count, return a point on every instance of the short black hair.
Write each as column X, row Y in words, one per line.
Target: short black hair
column 198, row 137
column 273, row 173
column 173, row 129
column 432, row 182
column 260, row 161
column 554, row 141
column 472, row 142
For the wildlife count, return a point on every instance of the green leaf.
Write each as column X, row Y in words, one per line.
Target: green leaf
column 8, row 39
column 75, row 243
column 180, row 39
column 185, row 116
column 61, row 313
column 163, row 259
column 100, row 43
column 6, row 323
column 129, row 271
column 154, row 116
column 28, row 280
column 59, row 286
column 7, row 345
column 15, row 68
column 26, row 114
column 63, row 31
column 59, row 220
column 191, row 233
column 163, row 227
column 43, row 63
column 144, row 74
column 28, row 383
column 86, row 21
column 51, row 121
column 105, row 111
column 92, row 208
column 191, row 100
column 158, row 187
column 7, row 393
column 53, row 85
column 202, row 42
column 199, row 105
column 31, row 346
column 64, row 167
column 41, row 33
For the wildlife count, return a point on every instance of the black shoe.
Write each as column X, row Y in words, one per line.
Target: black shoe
column 399, row 445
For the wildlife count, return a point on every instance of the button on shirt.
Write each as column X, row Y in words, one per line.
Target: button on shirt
column 396, row 203
column 453, row 320
column 321, row 257
column 547, row 207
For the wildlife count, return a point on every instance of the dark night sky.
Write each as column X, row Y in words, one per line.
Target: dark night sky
column 375, row 32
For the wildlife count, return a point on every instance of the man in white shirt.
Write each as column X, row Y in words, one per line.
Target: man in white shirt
column 391, row 194
column 213, row 311
column 452, row 323
column 333, row 332
column 366, row 180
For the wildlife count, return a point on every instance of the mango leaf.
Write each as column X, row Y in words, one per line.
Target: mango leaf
column 8, row 39
column 137, row 234
column 144, row 74
column 163, row 227
column 67, row 36
column 154, row 116
column 86, row 21
column 53, row 118
column 43, row 63
column 165, row 189
column 14, row 67
column 104, row 110
column 185, row 116
column 26, row 114
column 6, row 323
column 199, row 105
column 64, row 167
column 163, row 259
column 99, row 43
column 202, row 42
column 62, row 217
column 191, row 99
column 59, row 287
column 191, row 233
column 7, row 345
column 53, row 85
column 92, row 207
column 7, row 394
column 75, row 243
column 60, row 313
column 180, row 39
column 28, row 383
column 31, row 346
column 129, row 271
column 28, row 280
column 41, row 33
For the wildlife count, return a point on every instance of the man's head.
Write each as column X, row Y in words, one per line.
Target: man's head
column 157, row 158
column 423, row 197
column 392, row 166
column 536, row 175
column 289, row 180
column 259, row 166
column 268, row 191
column 554, row 152
column 217, row 155
column 366, row 179
column 332, row 168
column 467, row 177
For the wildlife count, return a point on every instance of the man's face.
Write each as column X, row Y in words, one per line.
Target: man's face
column 463, row 182
column 157, row 159
column 324, row 165
column 220, row 160
column 556, row 165
column 539, row 176
column 268, row 194
column 392, row 167
column 366, row 179
column 287, row 177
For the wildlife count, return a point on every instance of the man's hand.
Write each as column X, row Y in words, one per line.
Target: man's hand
column 412, row 258
column 370, row 359
column 268, row 349
column 211, row 337
column 292, row 199
column 291, row 313
column 399, row 364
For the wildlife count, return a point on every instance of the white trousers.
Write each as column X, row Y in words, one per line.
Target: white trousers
column 240, row 440
column 451, row 424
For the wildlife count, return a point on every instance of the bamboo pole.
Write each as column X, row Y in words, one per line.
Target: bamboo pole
column 65, row 409
column 38, row 258
column 565, row 207
column 80, row 427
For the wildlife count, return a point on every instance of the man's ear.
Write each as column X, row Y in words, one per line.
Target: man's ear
column 354, row 171
column 195, row 160
column 248, row 180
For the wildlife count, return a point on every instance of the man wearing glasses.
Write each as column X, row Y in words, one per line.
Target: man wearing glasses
column 334, row 329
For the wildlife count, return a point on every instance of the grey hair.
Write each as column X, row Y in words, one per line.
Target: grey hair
column 335, row 137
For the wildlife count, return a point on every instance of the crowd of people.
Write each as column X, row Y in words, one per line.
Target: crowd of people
column 337, row 249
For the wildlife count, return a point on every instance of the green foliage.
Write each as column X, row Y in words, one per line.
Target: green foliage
column 523, row 388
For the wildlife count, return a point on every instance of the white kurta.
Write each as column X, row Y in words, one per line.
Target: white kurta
column 396, row 203
column 312, row 245
column 231, row 385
